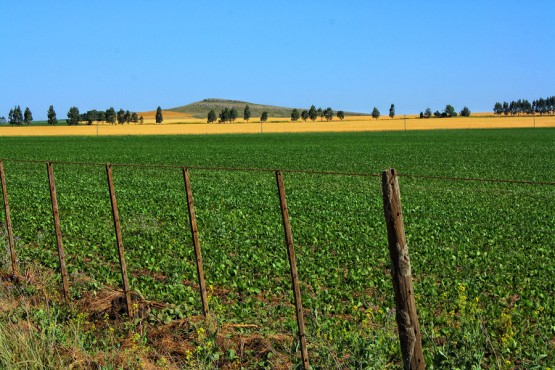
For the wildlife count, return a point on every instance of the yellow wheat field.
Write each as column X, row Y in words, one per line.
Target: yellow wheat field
column 178, row 124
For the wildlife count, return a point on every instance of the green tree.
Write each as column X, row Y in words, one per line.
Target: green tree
column 15, row 117
column 51, row 114
column 211, row 116
column 141, row 119
column 304, row 115
column 428, row 113
column 111, row 115
column 340, row 115
column 312, row 113
column 233, row 114
column 449, row 111
column 134, row 117
column 392, row 111
column 465, row 112
column 247, row 113
column 27, row 116
column 121, row 116
column 127, row 116
column 320, row 113
column 328, row 114
column 73, row 116
column 498, row 108
column 159, row 117
column 295, row 115
column 225, row 115
column 2, row 120
column 90, row 117
column 375, row 113
column 264, row 116
column 101, row 116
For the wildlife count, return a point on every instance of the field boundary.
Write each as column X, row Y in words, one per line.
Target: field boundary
column 407, row 318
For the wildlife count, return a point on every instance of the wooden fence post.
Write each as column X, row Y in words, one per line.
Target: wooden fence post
column 196, row 242
column 293, row 265
column 11, row 242
column 119, row 241
column 58, row 229
column 407, row 319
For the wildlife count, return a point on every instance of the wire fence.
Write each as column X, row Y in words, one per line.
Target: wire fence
column 314, row 224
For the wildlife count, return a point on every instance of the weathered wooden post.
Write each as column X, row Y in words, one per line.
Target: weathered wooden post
column 407, row 319
column 119, row 241
column 58, row 229
column 293, row 266
column 196, row 242
column 11, row 242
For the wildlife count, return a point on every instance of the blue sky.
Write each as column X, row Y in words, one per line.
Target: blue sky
column 350, row 55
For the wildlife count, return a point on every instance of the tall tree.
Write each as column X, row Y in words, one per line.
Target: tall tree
column 295, row 115
column 101, row 117
column 320, row 113
column 121, row 116
column 340, row 115
column 15, row 116
column 127, row 116
column 392, row 111
column 141, row 119
column 328, row 114
column 375, row 113
column 51, row 114
column 465, row 112
column 90, row 117
column 73, row 116
column 247, row 113
column 225, row 115
column 111, row 115
column 264, row 116
column 211, row 116
column 159, row 117
column 27, row 116
column 233, row 114
column 134, row 117
column 312, row 113
column 428, row 113
column 450, row 111
column 304, row 115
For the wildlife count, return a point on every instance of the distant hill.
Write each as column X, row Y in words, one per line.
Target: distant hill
column 201, row 108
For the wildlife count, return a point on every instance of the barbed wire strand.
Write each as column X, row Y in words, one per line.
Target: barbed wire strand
column 309, row 172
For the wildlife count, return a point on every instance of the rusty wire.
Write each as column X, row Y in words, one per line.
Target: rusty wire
column 308, row 172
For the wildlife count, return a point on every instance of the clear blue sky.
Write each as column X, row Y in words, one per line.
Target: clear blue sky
column 350, row 55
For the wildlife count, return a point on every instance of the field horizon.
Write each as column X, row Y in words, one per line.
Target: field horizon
column 177, row 123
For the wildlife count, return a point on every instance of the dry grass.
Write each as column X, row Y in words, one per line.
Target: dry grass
column 178, row 124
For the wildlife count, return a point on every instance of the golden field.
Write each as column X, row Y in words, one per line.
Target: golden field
column 179, row 124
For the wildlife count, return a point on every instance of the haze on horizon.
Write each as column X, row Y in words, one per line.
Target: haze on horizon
column 351, row 56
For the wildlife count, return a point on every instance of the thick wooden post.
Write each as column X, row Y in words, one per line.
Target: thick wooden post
column 196, row 242
column 119, row 241
column 293, row 265
column 407, row 319
column 11, row 242
column 58, row 229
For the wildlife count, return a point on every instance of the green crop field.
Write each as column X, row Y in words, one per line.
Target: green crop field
column 482, row 252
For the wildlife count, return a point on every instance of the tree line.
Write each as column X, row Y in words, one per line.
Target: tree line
column 17, row 117
column 448, row 112
column 74, row 117
column 231, row 114
column 523, row 106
